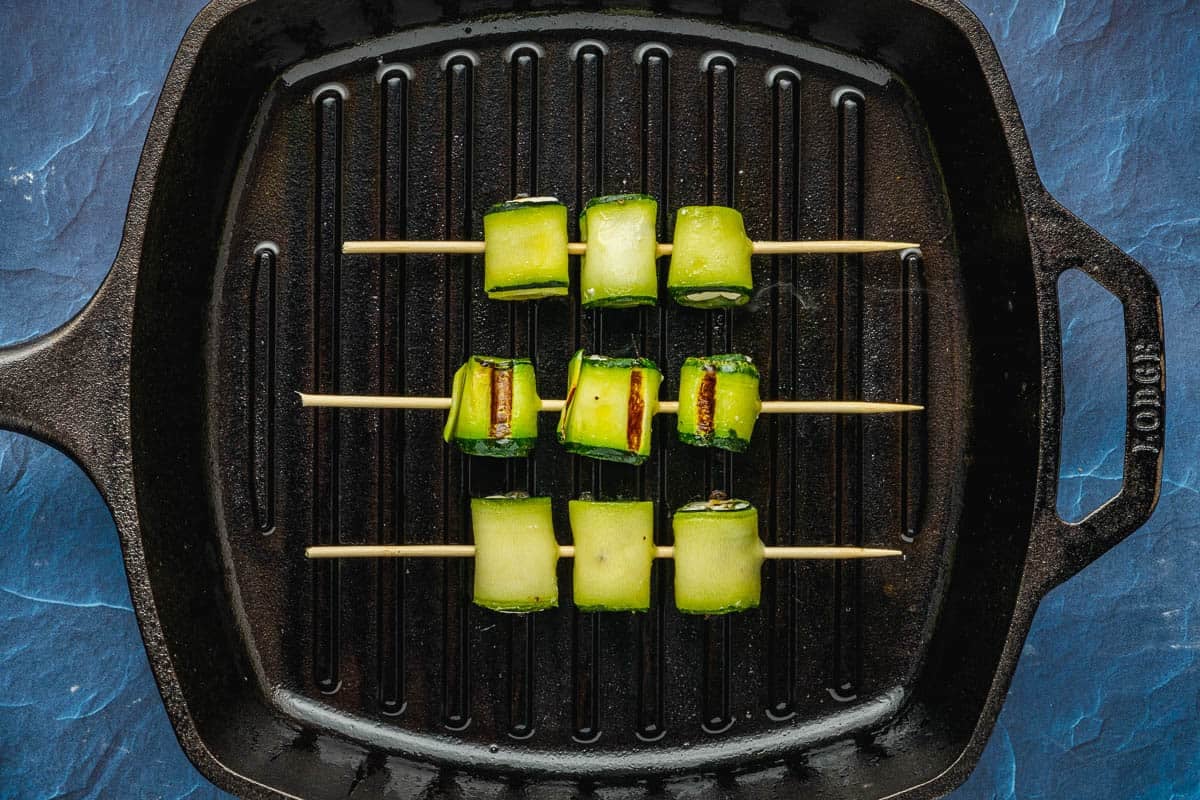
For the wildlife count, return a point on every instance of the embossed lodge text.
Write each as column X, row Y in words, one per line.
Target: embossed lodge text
column 1147, row 399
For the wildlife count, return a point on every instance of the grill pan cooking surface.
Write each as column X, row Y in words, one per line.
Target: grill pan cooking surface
column 288, row 128
column 483, row 117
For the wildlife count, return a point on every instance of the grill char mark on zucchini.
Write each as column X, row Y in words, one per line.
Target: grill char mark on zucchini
column 706, row 401
column 610, row 402
column 718, row 401
column 633, row 426
column 502, row 397
column 493, row 408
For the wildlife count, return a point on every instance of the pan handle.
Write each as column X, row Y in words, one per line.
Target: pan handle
column 1066, row 242
column 70, row 387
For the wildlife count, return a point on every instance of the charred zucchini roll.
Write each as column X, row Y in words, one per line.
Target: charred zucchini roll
column 718, row 556
column 516, row 554
column 614, row 551
column 494, row 407
column 525, row 249
column 718, row 401
column 620, row 267
column 610, row 405
column 710, row 258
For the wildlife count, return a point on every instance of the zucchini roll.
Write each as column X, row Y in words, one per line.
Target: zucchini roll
column 494, row 407
column 516, row 554
column 620, row 267
column 525, row 249
column 710, row 258
column 718, row 401
column 718, row 556
column 614, row 551
column 609, row 408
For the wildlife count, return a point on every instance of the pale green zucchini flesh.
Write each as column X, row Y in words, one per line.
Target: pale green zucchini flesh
column 718, row 557
column 525, row 249
column 614, row 552
column 516, row 553
column 710, row 258
column 620, row 267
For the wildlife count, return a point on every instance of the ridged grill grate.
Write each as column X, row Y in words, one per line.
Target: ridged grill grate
column 416, row 143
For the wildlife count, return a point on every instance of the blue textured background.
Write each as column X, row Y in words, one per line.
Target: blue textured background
column 1105, row 700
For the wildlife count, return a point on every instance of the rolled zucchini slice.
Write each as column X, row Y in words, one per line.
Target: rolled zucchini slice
column 718, row 401
column 718, row 557
column 494, row 407
column 525, row 249
column 516, row 554
column 614, row 551
column 620, row 267
column 710, row 258
column 611, row 403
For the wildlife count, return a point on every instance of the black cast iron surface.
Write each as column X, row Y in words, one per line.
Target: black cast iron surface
column 453, row 130
column 272, row 144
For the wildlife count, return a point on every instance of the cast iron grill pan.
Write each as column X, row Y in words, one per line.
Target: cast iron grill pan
column 287, row 128
column 417, row 142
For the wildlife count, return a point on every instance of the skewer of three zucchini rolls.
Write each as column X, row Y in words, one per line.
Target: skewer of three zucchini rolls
column 609, row 407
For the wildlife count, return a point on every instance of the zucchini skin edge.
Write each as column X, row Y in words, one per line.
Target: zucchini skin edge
column 679, row 295
column 734, row 444
column 723, row 610
column 634, row 609
column 517, row 287
column 621, row 301
column 605, row 453
column 606, row 199
column 497, row 448
column 521, row 205
column 724, row 364
column 616, row 362
column 518, row 608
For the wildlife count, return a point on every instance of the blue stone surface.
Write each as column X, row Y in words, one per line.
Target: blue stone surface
column 1106, row 700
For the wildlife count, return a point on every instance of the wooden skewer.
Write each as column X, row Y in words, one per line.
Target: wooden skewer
column 435, row 247
column 568, row 551
column 664, row 406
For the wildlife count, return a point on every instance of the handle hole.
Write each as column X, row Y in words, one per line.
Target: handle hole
column 1091, row 457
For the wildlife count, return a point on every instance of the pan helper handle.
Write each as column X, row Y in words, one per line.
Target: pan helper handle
column 1068, row 243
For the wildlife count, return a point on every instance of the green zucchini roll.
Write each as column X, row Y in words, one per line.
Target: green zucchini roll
column 620, row 267
column 516, row 554
column 718, row 401
column 614, row 550
column 525, row 249
column 710, row 258
column 494, row 407
column 718, row 557
column 610, row 405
